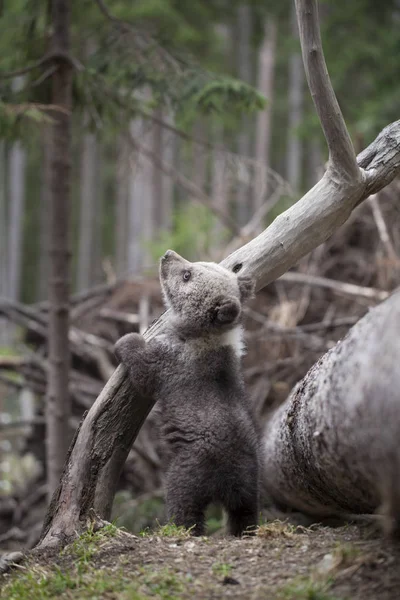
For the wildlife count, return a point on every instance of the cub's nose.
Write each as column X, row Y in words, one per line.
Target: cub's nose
column 228, row 312
column 171, row 255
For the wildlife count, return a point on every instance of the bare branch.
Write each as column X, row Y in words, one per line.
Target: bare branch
column 341, row 151
column 340, row 287
column 24, row 70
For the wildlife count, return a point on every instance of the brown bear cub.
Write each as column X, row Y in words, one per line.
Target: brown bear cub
column 210, row 443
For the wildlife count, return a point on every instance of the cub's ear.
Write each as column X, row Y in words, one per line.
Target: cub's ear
column 246, row 288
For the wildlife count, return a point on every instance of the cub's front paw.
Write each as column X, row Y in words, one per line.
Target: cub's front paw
column 128, row 344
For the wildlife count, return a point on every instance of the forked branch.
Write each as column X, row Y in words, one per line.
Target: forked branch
column 341, row 152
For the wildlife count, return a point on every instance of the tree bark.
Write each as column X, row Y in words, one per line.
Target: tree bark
column 332, row 447
column 294, row 155
column 266, row 69
column 97, row 455
column 58, row 398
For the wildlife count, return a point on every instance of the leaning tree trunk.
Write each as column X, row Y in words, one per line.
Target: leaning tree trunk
column 58, row 398
column 100, row 448
column 333, row 446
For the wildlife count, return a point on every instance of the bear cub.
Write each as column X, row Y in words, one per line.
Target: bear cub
column 209, row 439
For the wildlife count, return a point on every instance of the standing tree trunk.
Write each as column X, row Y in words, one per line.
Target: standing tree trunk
column 169, row 147
column 244, row 71
column 121, row 197
column 44, row 215
column 141, row 223
column 266, row 68
column 158, row 188
column 3, row 241
column 58, row 399
column 219, row 191
column 295, row 116
column 88, row 213
column 16, row 202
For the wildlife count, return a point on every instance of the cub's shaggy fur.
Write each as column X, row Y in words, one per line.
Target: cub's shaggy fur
column 209, row 439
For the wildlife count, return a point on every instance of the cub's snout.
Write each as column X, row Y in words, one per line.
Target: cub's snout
column 227, row 312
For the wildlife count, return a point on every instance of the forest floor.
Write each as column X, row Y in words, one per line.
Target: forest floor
column 282, row 562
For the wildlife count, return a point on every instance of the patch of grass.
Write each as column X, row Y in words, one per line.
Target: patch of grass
column 222, row 569
column 172, row 530
column 90, row 542
column 92, row 584
column 305, row 589
column 46, row 584
column 272, row 529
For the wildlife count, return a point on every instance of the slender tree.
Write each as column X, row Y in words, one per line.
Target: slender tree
column 3, row 240
column 58, row 399
column 121, row 197
column 295, row 114
column 266, row 66
column 16, row 203
column 244, row 70
column 88, row 212
column 44, row 214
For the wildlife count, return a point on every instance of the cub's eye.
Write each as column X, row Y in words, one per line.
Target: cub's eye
column 186, row 275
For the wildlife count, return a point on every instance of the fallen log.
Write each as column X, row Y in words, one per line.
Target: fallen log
column 333, row 446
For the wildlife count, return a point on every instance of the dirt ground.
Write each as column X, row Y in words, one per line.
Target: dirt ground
column 282, row 562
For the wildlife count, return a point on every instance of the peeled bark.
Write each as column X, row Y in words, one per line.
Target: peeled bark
column 332, row 447
column 58, row 397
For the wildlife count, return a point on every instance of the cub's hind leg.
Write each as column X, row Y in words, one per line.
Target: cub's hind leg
column 242, row 503
column 187, row 497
